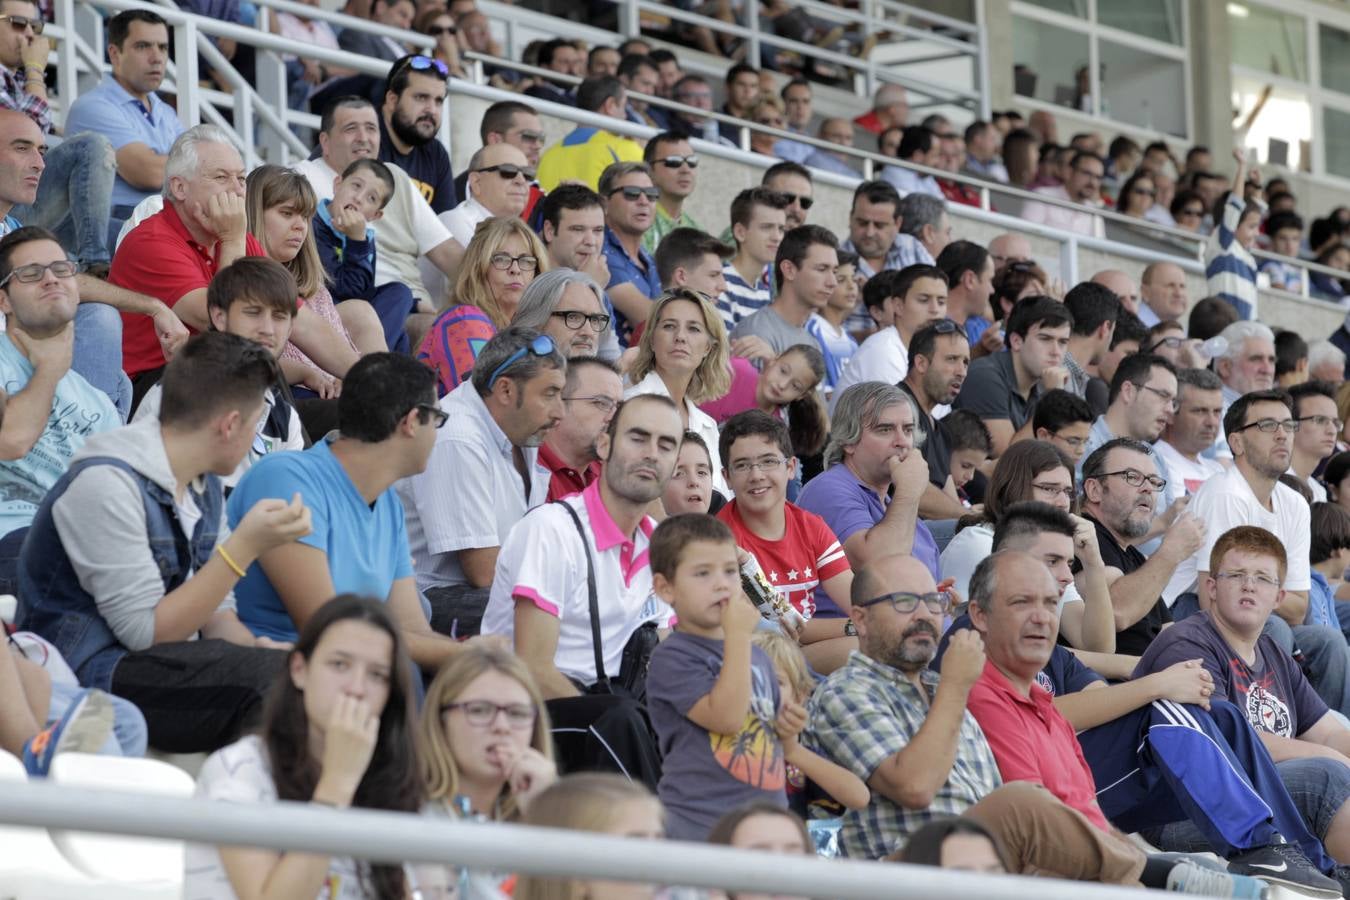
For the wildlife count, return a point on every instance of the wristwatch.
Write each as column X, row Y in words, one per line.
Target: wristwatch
column 850, row 630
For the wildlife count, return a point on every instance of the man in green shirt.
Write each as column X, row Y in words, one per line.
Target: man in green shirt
column 675, row 172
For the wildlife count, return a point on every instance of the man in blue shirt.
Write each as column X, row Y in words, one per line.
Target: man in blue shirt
column 126, row 110
column 629, row 199
column 410, row 120
column 387, row 418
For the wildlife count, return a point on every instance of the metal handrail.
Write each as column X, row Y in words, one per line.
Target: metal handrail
column 404, row 837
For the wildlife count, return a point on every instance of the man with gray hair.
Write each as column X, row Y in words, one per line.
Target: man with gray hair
column 925, row 218
column 569, row 307
column 1326, row 362
column 1197, row 422
column 873, row 448
column 483, row 474
column 1248, row 364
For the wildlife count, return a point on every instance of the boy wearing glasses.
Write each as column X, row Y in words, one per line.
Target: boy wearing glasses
column 51, row 409
column 1319, row 428
column 796, row 550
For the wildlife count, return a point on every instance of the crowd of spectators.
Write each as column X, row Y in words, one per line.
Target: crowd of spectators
column 397, row 490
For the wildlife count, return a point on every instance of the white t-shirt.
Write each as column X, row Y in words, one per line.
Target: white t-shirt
column 1226, row 501
column 1184, row 476
column 882, row 357
column 240, row 773
column 542, row 563
column 470, row 494
column 967, row 549
column 1319, row 493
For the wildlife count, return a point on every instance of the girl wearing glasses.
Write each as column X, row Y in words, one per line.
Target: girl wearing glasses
column 337, row 733
column 484, row 741
column 281, row 206
column 500, row 262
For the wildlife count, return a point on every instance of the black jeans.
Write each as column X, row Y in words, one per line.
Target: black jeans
column 605, row 733
column 198, row 696
column 456, row 610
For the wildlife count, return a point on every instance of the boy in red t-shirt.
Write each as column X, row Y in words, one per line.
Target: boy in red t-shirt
column 796, row 549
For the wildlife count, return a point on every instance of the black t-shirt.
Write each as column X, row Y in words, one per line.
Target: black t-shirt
column 935, row 449
column 429, row 168
column 1135, row 639
column 1097, row 395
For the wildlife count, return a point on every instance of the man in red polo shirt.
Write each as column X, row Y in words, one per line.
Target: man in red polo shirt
column 174, row 254
column 592, row 393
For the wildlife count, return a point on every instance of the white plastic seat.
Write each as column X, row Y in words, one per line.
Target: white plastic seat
column 142, row 861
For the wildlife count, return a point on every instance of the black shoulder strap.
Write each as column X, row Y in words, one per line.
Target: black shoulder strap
column 601, row 679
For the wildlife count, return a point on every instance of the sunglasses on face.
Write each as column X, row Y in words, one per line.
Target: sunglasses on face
column 508, row 171
column 674, row 162
column 438, row 30
column 633, row 193
column 806, row 202
column 19, row 23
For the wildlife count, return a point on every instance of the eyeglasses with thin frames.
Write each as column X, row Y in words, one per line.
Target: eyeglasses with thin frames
column 1134, row 478
column 1170, row 399
column 1066, row 489
column 763, row 464
column 602, row 403
column 33, row 272
column 1270, row 426
column 1322, row 421
column 481, row 713
column 904, row 602
column 1242, row 579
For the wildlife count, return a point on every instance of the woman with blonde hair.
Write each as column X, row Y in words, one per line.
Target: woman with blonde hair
column 683, row 355
column 500, row 262
column 599, row 803
column 280, row 205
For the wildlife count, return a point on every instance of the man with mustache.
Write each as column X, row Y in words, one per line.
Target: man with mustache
column 907, row 733
column 1031, row 723
column 410, row 119
column 484, row 473
column 1121, row 486
column 939, row 359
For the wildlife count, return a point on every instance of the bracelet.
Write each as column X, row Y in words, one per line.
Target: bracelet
column 234, row 566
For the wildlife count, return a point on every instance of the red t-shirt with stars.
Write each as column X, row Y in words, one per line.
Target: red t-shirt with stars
column 807, row 554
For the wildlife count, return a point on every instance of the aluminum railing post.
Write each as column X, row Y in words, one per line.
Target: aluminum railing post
column 189, row 103
column 273, row 90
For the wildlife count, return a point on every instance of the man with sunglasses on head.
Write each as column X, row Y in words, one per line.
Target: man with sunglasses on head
column 499, row 185
column 410, row 120
column 388, row 423
column 484, row 473
column 675, row 171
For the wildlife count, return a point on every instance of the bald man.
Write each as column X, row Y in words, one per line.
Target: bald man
column 1121, row 285
column 890, row 109
column 1008, row 247
column 1163, row 294
column 499, row 185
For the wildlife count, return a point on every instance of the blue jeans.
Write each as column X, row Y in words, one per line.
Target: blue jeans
column 98, row 353
column 129, row 734
column 1326, row 658
column 74, row 197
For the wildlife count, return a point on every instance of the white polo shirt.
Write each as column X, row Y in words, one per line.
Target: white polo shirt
column 1226, row 501
column 542, row 563
column 470, row 495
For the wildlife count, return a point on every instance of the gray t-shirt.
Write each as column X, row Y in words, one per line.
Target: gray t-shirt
column 704, row 775
column 778, row 332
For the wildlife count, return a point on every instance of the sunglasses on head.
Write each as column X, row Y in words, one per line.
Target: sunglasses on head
column 541, row 346
column 633, row 193
column 806, row 202
column 19, row 23
column 674, row 162
column 508, row 171
column 423, row 64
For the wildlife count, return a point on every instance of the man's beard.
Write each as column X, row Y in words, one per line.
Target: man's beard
column 407, row 131
column 907, row 659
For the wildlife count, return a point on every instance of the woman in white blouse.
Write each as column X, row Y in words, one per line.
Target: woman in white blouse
column 683, row 355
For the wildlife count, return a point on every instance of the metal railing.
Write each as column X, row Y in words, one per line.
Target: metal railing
column 400, row 837
column 268, row 99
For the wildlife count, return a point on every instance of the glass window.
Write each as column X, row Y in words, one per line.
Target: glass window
column 1157, row 19
column 1050, row 63
column 1336, row 139
column 1283, row 130
column 1335, row 55
column 1068, row 7
column 1142, row 89
column 1267, row 40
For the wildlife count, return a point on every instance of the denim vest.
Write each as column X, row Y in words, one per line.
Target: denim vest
column 55, row 605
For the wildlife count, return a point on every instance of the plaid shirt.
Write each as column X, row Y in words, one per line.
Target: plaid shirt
column 13, row 96
column 1078, row 379
column 865, row 713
